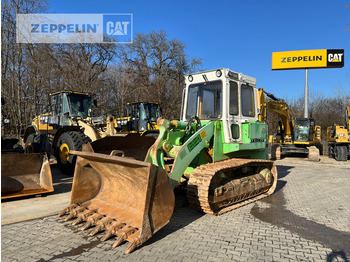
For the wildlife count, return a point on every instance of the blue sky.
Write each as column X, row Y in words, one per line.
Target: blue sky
column 241, row 35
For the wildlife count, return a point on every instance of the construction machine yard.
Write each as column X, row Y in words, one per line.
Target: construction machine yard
column 124, row 184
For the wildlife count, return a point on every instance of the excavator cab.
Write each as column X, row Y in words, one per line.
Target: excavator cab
column 304, row 129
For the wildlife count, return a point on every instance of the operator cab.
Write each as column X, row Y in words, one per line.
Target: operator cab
column 70, row 104
column 304, row 129
column 141, row 115
column 223, row 95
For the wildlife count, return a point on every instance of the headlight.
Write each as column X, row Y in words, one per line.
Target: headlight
column 218, row 73
column 190, row 78
column 233, row 75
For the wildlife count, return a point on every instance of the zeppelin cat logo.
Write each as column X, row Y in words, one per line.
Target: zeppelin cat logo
column 321, row 58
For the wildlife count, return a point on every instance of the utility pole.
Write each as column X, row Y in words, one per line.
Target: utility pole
column 306, row 95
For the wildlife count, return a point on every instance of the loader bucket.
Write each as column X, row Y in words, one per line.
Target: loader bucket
column 130, row 145
column 25, row 174
column 124, row 197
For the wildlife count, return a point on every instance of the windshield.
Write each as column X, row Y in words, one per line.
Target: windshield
column 133, row 111
column 302, row 130
column 80, row 105
column 152, row 111
column 204, row 100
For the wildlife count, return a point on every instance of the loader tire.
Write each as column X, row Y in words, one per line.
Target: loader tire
column 340, row 153
column 32, row 144
column 330, row 151
column 71, row 140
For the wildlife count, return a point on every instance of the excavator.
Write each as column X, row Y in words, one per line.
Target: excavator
column 338, row 138
column 219, row 150
column 295, row 136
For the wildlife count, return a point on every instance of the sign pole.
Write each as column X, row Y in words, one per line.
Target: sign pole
column 306, row 95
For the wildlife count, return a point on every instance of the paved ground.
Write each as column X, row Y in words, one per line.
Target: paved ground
column 307, row 219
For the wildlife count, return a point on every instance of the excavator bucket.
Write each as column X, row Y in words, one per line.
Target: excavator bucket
column 124, row 197
column 25, row 174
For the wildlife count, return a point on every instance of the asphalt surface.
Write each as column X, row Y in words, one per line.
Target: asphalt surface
column 306, row 219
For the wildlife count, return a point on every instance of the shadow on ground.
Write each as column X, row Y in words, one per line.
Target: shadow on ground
column 278, row 215
column 183, row 215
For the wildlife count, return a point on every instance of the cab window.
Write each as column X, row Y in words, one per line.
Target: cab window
column 247, row 100
column 204, row 100
column 233, row 98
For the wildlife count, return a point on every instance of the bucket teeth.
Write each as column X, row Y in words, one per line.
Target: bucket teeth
column 132, row 246
column 119, row 240
column 101, row 225
column 123, row 235
column 92, row 220
column 112, row 230
column 67, row 210
column 74, row 212
column 83, row 216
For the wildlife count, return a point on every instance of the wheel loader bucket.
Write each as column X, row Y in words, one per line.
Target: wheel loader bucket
column 130, row 145
column 25, row 174
column 124, row 197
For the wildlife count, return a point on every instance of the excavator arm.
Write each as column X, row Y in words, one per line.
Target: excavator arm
column 348, row 119
column 281, row 108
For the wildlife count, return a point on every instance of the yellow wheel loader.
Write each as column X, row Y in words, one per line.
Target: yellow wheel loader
column 299, row 136
column 70, row 125
column 66, row 128
column 141, row 118
column 218, row 149
column 338, row 138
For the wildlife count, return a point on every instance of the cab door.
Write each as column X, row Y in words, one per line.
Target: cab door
column 234, row 123
column 242, row 108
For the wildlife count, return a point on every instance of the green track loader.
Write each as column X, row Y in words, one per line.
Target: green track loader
column 218, row 150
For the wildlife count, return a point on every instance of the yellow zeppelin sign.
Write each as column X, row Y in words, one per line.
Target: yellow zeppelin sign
column 321, row 58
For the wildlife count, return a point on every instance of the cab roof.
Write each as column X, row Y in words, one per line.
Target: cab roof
column 71, row 92
column 132, row 103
